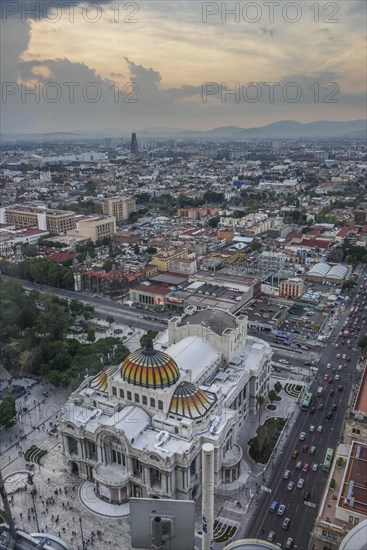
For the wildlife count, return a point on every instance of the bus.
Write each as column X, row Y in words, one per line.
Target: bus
column 328, row 460
column 306, row 401
column 319, row 391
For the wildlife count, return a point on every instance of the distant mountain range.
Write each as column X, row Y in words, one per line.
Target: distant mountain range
column 284, row 129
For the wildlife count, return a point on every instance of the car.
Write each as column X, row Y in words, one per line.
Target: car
column 326, row 376
column 334, row 370
column 273, row 506
column 302, row 436
column 299, row 465
column 286, row 474
column 300, row 483
column 284, row 361
column 306, row 467
column 321, row 406
column 307, row 495
column 340, row 387
column 340, row 367
column 329, row 415
column 328, row 366
column 312, row 410
column 338, row 355
column 315, row 467
column 271, row 536
column 289, row 543
column 313, row 450
column 332, row 391
column 312, row 428
column 305, row 449
column 344, row 356
column 348, row 359
column 281, row 510
column 348, row 341
column 286, row 523
column 290, row 486
column 330, row 380
column 319, row 428
column 334, row 406
column 337, row 377
column 337, row 345
column 295, row 453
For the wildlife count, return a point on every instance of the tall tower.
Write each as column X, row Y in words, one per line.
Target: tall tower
column 134, row 148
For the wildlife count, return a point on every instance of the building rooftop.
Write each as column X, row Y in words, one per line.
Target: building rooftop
column 215, row 319
column 361, row 400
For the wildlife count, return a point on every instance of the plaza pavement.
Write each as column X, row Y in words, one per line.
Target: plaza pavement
column 57, row 506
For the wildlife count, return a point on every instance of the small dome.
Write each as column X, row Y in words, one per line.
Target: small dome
column 150, row 368
column 190, row 401
column 100, row 382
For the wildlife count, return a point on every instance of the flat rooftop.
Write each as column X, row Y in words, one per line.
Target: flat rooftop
column 361, row 400
column 353, row 495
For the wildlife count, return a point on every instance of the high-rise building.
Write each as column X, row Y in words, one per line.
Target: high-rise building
column 134, row 148
column 120, row 207
column 360, row 216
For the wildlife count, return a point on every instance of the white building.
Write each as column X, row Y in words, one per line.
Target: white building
column 137, row 429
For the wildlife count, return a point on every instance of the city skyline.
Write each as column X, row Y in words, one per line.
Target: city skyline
column 133, row 66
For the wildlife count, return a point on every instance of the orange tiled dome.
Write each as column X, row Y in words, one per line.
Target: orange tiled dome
column 100, row 382
column 150, row 368
column 190, row 401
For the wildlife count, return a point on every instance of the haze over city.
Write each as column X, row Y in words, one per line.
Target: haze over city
column 132, row 66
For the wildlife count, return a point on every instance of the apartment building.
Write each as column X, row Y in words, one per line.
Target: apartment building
column 120, row 207
column 163, row 258
column 292, row 288
column 97, row 227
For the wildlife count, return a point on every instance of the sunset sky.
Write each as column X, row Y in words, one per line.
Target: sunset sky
column 159, row 55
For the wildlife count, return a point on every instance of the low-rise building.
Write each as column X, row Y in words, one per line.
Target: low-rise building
column 344, row 503
column 97, row 227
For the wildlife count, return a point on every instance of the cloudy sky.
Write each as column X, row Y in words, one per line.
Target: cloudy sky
column 70, row 65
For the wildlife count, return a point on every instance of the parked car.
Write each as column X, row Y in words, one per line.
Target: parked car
column 299, row 465
column 290, row 486
column 306, row 467
column 289, row 543
column 340, row 387
column 305, row 449
column 329, row 415
column 295, row 453
column 307, row 495
column 271, row 536
column 312, row 428
column 315, row 467
column 313, row 450
column 302, row 436
column 319, row 428
column 286, row 474
column 286, row 523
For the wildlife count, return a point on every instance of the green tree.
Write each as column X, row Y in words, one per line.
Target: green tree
column 272, row 396
column 108, row 264
column 278, row 387
column 8, row 412
column 362, row 342
column 151, row 250
column 213, row 222
column 136, row 249
column 110, row 319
